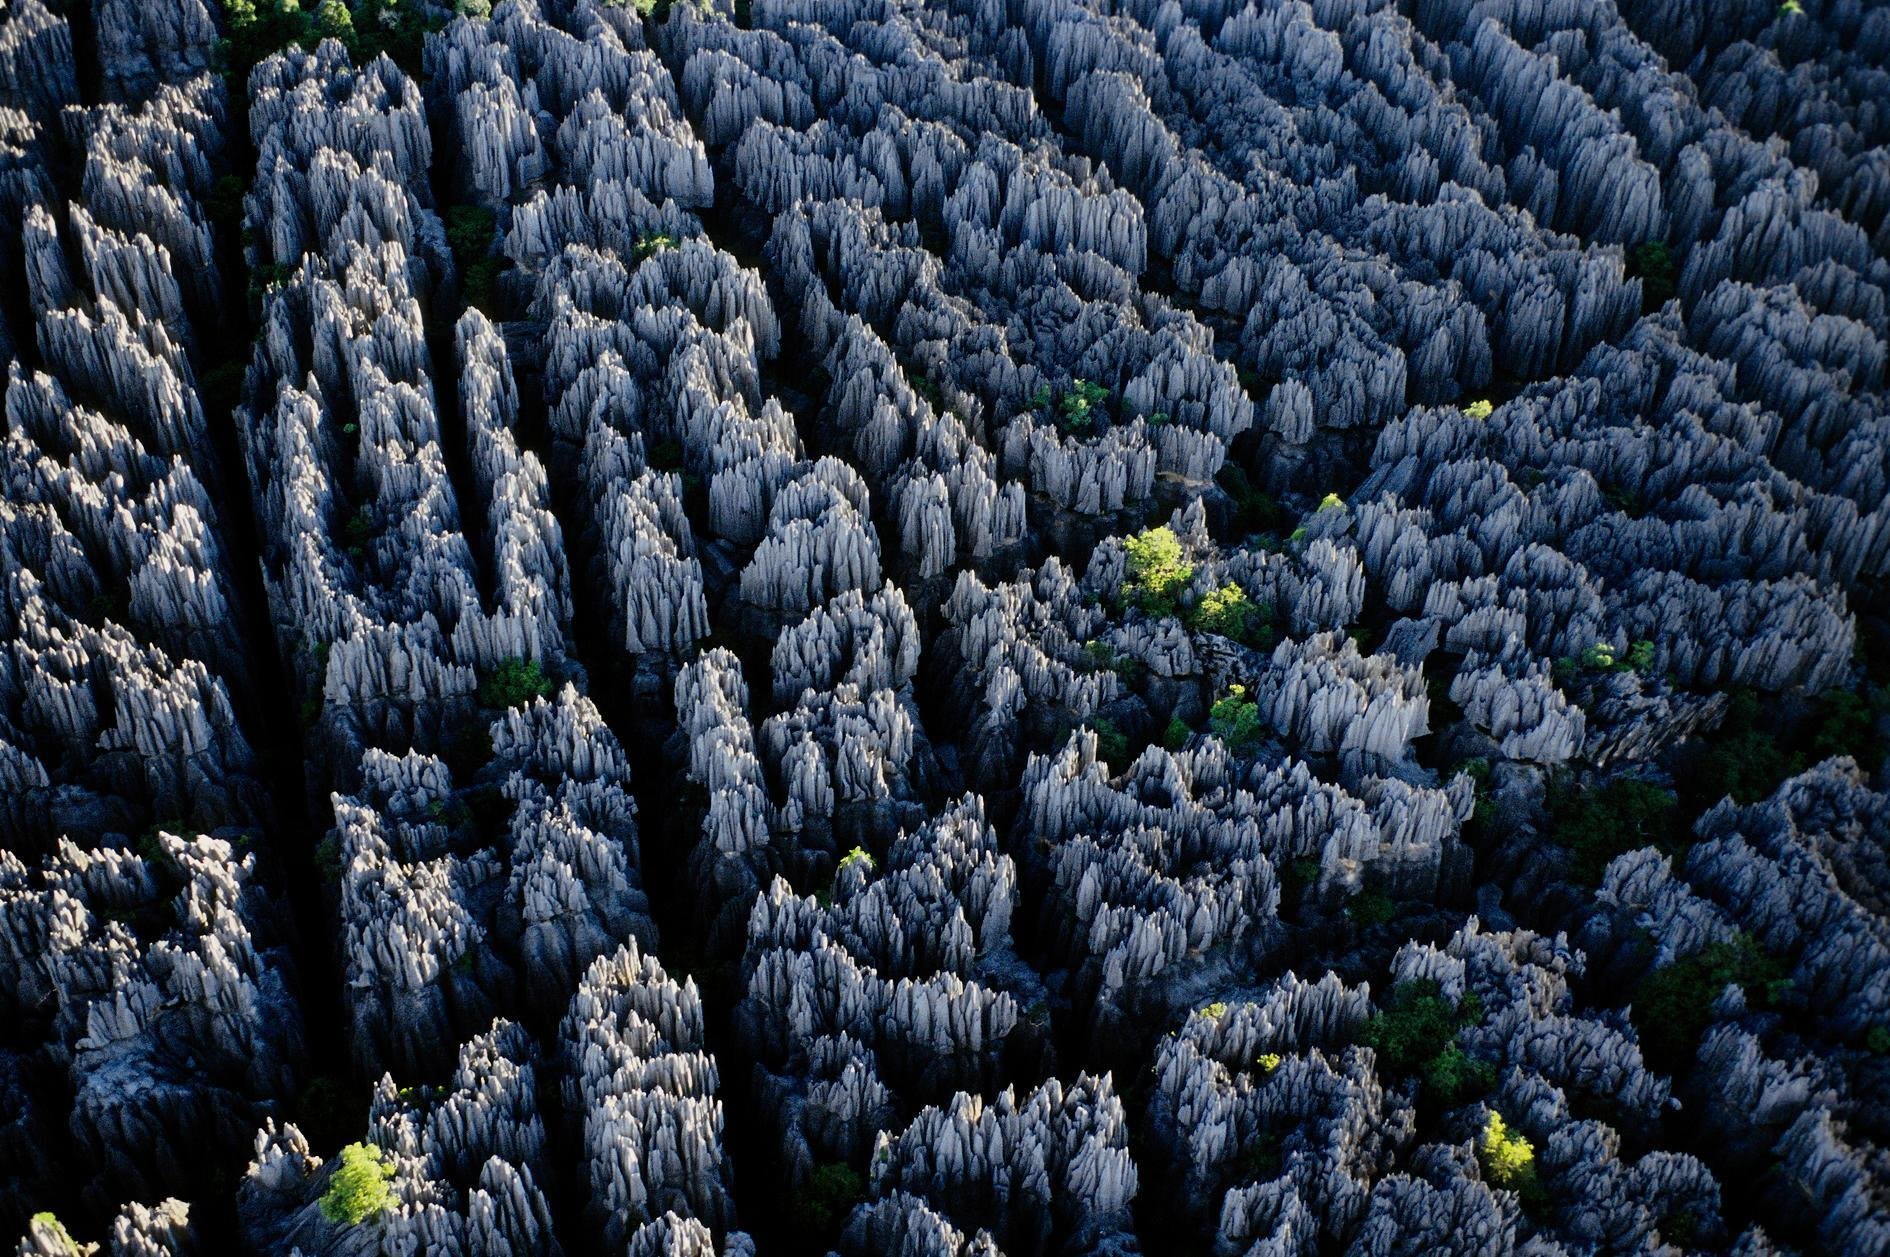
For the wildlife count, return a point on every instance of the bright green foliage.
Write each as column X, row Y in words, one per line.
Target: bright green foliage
column 473, row 8
column 514, row 683
column 1157, row 570
column 1674, row 1004
column 1330, row 502
column 1508, row 1159
column 1480, row 409
column 1213, row 1012
column 1235, row 720
column 859, row 855
column 1601, row 657
column 1267, row 1062
column 831, row 1192
column 1601, row 822
column 1791, row 8
column 1371, row 907
column 333, row 21
column 359, row 1188
column 1076, row 410
column 1417, row 1034
column 1176, row 735
column 651, row 243
column 1104, row 656
column 1111, row 746
column 261, row 28
column 1229, row 612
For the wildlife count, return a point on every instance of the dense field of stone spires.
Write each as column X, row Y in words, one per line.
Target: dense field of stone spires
column 1035, row 627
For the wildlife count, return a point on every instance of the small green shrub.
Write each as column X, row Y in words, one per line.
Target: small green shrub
column 469, row 232
column 1267, row 1062
column 514, row 683
column 1235, row 720
column 328, row 859
column 1454, row 1077
column 1254, row 511
column 1176, row 735
column 1229, row 612
column 859, row 855
column 1742, row 758
column 1157, row 570
column 1417, row 1034
column 651, row 243
column 1213, row 1012
column 1652, row 262
column 1508, row 1159
column 1601, row 822
column 1371, row 907
column 832, row 1191
column 1111, row 746
column 1298, row 875
column 1260, row 1161
column 479, row 284
column 359, row 1187
column 1480, row 409
column 1077, row 409
column 1674, row 1004
column 1601, row 657
column 1104, row 657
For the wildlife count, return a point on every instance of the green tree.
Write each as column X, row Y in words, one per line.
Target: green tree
column 1508, row 1159
column 1235, row 720
column 1674, row 1004
column 514, row 683
column 1652, row 263
column 1598, row 823
column 358, row 1189
column 1229, row 612
column 1112, row 747
column 831, row 1192
column 1158, row 571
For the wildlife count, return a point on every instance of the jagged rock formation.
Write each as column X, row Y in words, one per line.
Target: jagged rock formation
column 464, row 1161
